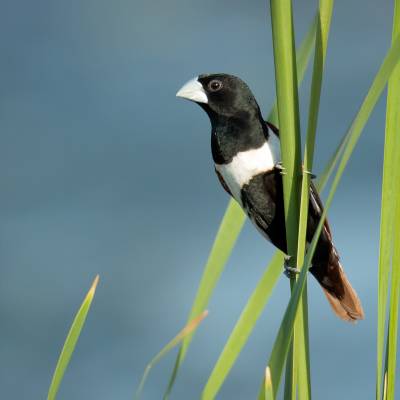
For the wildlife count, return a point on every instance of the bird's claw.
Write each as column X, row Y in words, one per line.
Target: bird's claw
column 279, row 166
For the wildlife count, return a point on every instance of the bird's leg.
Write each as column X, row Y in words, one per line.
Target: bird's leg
column 279, row 166
column 289, row 271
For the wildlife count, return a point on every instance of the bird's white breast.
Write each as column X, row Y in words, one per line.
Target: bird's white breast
column 247, row 164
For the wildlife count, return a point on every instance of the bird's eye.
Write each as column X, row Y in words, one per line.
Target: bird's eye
column 215, row 85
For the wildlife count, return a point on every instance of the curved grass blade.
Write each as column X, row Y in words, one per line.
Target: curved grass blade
column 228, row 232
column 321, row 44
column 243, row 327
column 224, row 242
column 303, row 351
column 70, row 341
column 284, row 337
column 385, row 256
column 288, row 112
column 290, row 142
column 187, row 330
column 301, row 341
column 390, row 188
column 302, row 59
column 393, row 168
column 282, row 342
column 394, row 301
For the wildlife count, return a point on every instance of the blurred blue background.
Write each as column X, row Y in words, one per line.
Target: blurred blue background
column 103, row 171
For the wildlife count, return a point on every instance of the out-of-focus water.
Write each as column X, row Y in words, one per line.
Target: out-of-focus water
column 103, row 170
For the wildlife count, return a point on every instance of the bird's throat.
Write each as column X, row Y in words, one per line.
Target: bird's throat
column 233, row 135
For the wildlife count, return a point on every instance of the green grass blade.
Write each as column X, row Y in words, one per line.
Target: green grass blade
column 388, row 205
column 224, row 242
column 284, row 337
column 290, row 141
column 70, row 341
column 392, row 230
column 231, row 226
column 394, row 301
column 290, row 377
column 385, row 256
column 187, row 330
column 301, row 338
column 303, row 349
column 225, row 239
column 321, row 43
column 302, row 60
column 243, row 327
column 281, row 346
column 288, row 111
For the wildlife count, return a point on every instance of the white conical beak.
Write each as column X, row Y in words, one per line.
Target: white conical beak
column 193, row 90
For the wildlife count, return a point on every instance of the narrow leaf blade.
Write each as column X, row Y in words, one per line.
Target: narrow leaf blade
column 244, row 327
column 70, row 341
column 230, row 227
column 301, row 337
column 390, row 228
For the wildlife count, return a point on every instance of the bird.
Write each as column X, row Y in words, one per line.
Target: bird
column 245, row 149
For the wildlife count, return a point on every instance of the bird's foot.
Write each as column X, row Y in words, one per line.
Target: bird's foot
column 279, row 166
column 289, row 271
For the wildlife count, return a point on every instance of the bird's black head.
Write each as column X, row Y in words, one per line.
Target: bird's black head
column 220, row 95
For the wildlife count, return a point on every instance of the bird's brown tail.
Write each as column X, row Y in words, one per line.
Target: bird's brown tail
column 338, row 290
